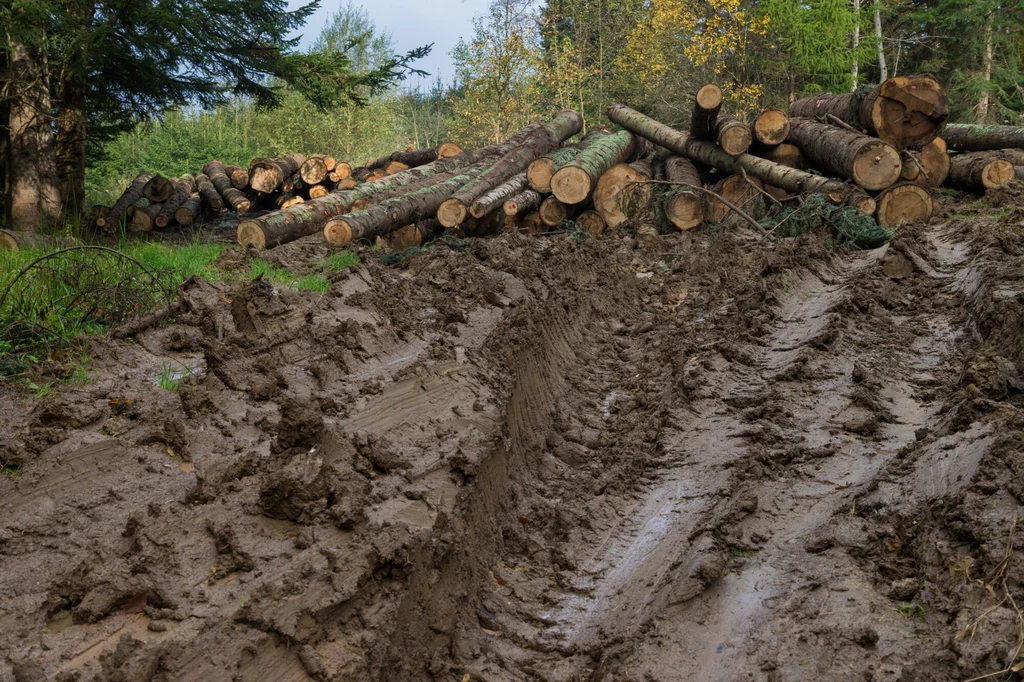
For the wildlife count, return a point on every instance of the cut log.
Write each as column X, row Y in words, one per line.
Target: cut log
column 789, row 179
column 1019, row 172
column 574, row 182
column 11, row 240
column 552, row 211
column 239, row 176
column 446, row 149
column 1014, row 156
column 542, row 139
column 978, row 171
column 346, row 183
column 540, row 171
column 285, row 200
column 317, row 191
column 526, row 200
column 416, row 157
column 377, row 174
column 132, row 194
column 530, row 222
column 184, row 187
column 591, row 221
column 96, row 214
column 158, row 189
column 142, row 203
column 497, row 196
column 733, row 135
column 395, row 167
column 868, row 161
column 928, row 166
column 705, row 112
column 903, row 203
column 314, row 170
column 905, row 111
column 266, row 175
column 362, row 174
column 739, row 191
column 788, row 155
column 209, row 194
column 232, row 196
column 289, row 184
column 976, row 137
column 390, row 214
column 647, row 235
column 771, row 127
column 143, row 218
column 341, row 171
column 618, row 180
column 684, row 208
column 299, row 221
column 329, row 161
column 190, row 211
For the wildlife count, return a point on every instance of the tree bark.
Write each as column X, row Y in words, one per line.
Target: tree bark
column 190, row 211
column 904, row 203
column 881, row 46
column 868, row 161
column 140, row 204
column 546, row 137
column 967, row 137
column 591, row 221
column 183, row 189
column 706, row 106
column 209, row 194
column 526, row 200
column 771, row 127
column 234, row 198
column 1014, row 156
column 32, row 193
column 132, row 194
column 143, row 218
column 497, row 196
column 158, row 189
column 905, row 111
column 979, row 171
column 414, row 158
column 71, row 122
column 540, row 171
column 574, row 182
column 266, row 175
column 618, row 180
column 733, row 135
column 856, row 44
column 984, row 104
column 684, row 208
column 239, row 176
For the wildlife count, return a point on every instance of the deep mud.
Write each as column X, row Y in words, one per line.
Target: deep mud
column 530, row 458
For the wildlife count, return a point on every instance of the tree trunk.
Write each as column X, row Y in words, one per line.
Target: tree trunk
column 967, row 137
column 979, row 171
column 856, row 44
column 573, row 182
column 209, row 194
column 32, row 194
column 868, row 161
column 881, row 46
column 771, row 127
column 684, row 207
column 190, row 211
column 314, row 170
column 905, row 111
column 143, row 219
column 616, row 190
column 552, row 211
column 183, row 189
column 905, row 203
column 545, row 137
column 928, row 166
column 158, row 189
column 710, row 154
column 733, row 136
column 526, row 200
column 266, row 175
column 740, row 192
column 15, row 241
column 417, row 157
column 239, row 176
column 984, row 104
column 706, row 106
column 591, row 221
column 393, row 213
column 71, row 123
column 129, row 197
column 497, row 196
column 305, row 219
column 238, row 202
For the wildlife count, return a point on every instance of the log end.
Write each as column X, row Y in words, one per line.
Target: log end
column 452, row 212
column 709, row 97
column 571, row 184
column 997, row 173
column 685, row 210
column 591, row 221
column 313, row 171
column 446, row 149
column 862, row 202
column 903, row 204
column 909, row 111
column 609, row 186
column 538, row 175
column 876, row 166
column 771, row 127
column 249, row 233
column 552, row 211
column 735, row 140
column 647, row 236
column 337, row 232
column 510, row 207
column 162, row 221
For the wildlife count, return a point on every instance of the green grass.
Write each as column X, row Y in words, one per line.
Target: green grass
column 339, row 261
column 171, row 376
column 10, row 469
column 282, row 278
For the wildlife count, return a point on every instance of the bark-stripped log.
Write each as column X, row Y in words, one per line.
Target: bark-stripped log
column 684, row 207
column 190, row 211
column 209, row 194
column 547, row 136
column 591, row 221
column 705, row 112
column 971, row 137
column 266, row 175
column 314, row 170
column 184, row 187
column 573, row 182
column 239, row 176
column 771, row 127
column 978, row 171
column 497, row 196
column 866, row 160
column 732, row 134
column 789, row 179
column 905, row 111
column 527, row 200
column 903, row 203
column 132, row 194
column 158, row 189
column 233, row 197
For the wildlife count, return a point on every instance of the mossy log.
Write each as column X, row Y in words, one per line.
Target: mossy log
column 574, row 181
column 498, row 196
column 978, row 137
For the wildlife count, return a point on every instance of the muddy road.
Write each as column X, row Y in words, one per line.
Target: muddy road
column 545, row 459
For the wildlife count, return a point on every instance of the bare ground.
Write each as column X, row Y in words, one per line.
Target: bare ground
column 536, row 459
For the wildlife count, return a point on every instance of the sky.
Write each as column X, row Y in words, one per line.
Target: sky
column 411, row 23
